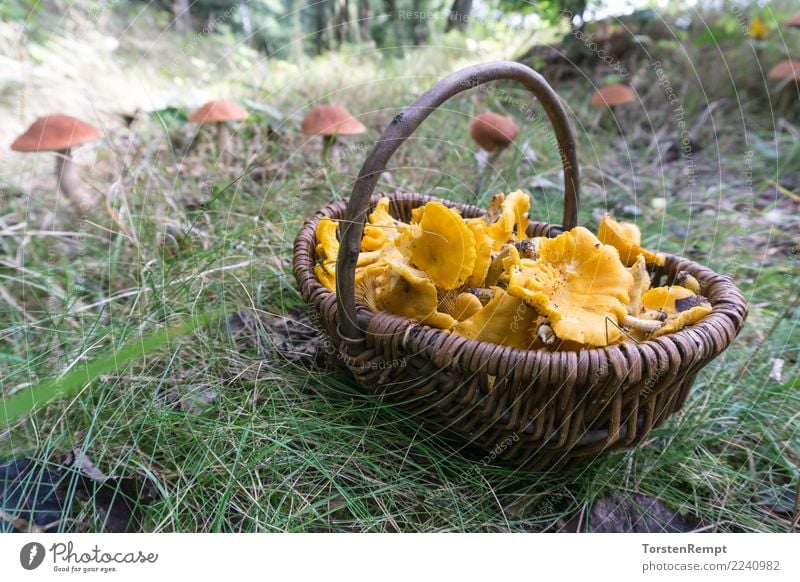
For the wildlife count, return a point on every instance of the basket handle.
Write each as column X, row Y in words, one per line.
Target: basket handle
column 401, row 127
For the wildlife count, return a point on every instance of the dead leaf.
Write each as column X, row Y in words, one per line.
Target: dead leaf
column 29, row 497
column 632, row 514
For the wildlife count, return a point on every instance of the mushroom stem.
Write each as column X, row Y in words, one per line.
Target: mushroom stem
column 327, row 143
column 490, row 162
column 68, row 181
column 644, row 325
column 223, row 137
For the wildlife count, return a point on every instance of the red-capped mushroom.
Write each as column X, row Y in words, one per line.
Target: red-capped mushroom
column 60, row 133
column 219, row 113
column 330, row 121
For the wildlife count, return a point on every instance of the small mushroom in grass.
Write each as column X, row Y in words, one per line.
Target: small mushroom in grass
column 493, row 133
column 794, row 20
column 60, row 133
column 788, row 70
column 330, row 121
column 220, row 113
column 613, row 96
column 788, row 74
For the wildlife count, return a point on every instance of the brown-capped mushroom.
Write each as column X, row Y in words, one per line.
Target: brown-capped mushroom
column 794, row 20
column 60, row 133
column 330, row 121
column 787, row 73
column 613, row 95
column 492, row 131
column 609, row 98
column 219, row 113
column 788, row 70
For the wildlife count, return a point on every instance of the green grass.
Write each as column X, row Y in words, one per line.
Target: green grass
column 285, row 448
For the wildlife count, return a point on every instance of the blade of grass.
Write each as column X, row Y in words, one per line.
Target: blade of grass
column 24, row 402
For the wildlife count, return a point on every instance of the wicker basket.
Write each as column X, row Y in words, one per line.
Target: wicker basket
column 535, row 409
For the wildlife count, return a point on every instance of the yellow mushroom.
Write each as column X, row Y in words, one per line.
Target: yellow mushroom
column 327, row 250
column 626, row 238
column 578, row 284
column 441, row 245
column 466, row 305
column 681, row 306
column 504, row 320
column 483, row 252
column 381, row 228
column 409, row 292
column 513, row 219
column 641, row 283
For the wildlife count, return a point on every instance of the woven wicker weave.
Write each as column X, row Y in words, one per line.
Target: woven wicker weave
column 536, row 409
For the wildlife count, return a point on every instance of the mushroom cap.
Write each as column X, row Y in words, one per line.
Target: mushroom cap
column 409, row 292
column 381, row 228
column 513, row 218
column 55, row 132
column 442, row 245
column 331, row 120
column 681, row 306
column 216, row 111
column 785, row 70
column 794, row 20
column 492, row 131
column 579, row 284
column 504, row 320
column 612, row 95
column 626, row 238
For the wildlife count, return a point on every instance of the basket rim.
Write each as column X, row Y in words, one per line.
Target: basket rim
column 730, row 293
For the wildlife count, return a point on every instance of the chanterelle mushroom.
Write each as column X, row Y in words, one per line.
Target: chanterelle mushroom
column 330, row 121
column 578, row 284
column 60, row 133
column 394, row 286
column 441, row 245
column 504, row 320
column 219, row 113
column 381, row 227
column 681, row 306
column 626, row 238
column 513, row 218
column 327, row 251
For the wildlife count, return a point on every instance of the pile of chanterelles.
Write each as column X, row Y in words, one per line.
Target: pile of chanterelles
column 485, row 279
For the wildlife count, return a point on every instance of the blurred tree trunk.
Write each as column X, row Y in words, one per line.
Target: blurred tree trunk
column 390, row 7
column 247, row 24
column 342, row 30
column 298, row 46
column 419, row 26
column 182, row 17
column 364, row 19
column 459, row 15
column 321, row 41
